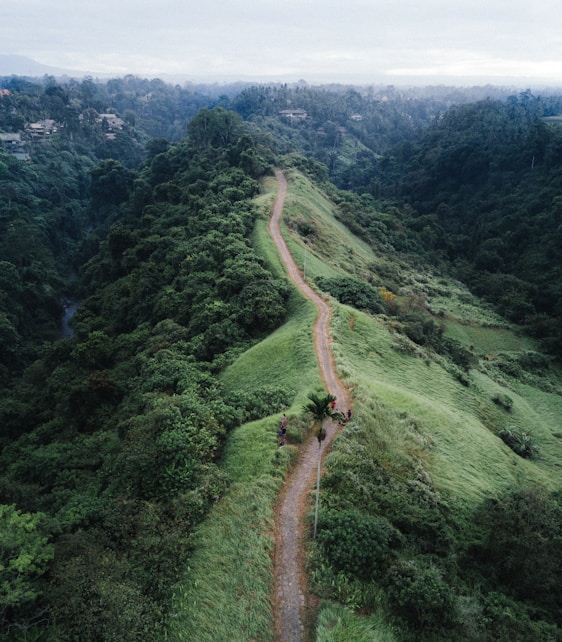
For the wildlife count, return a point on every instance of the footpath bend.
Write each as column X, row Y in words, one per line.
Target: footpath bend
column 291, row 600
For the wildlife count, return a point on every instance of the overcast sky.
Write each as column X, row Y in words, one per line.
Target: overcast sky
column 314, row 40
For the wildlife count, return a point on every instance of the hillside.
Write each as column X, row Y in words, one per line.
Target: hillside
column 427, row 425
column 421, row 425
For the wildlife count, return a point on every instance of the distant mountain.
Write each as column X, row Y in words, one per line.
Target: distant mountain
column 13, row 65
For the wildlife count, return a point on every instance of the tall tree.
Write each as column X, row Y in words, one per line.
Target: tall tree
column 319, row 409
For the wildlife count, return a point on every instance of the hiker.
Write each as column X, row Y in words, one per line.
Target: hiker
column 349, row 414
column 283, row 429
column 281, row 436
column 333, row 405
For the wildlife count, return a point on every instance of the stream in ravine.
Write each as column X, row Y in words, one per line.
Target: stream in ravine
column 69, row 308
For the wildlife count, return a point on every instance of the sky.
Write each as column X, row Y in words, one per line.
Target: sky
column 355, row 41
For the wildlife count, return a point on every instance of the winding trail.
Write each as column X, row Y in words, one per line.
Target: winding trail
column 292, row 603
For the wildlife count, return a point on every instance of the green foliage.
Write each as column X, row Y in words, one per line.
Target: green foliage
column 353, row 292
column 417, row 593
column 94, row 597
column 25, row 553
column 216, row 127
column 356, row 543
column 125, row 421
column 357, row 477
column 492, row 164
column 225, row 592
column 111, row 183
column 262, row 402
column 115, row 433
column 522, row 543
column 423, row 330
column 504, row 401
column 339, row 624
column 510, row 621
column 319, row 409
column 520, row 442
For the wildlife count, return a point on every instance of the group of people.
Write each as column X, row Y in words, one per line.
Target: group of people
column 346, row 416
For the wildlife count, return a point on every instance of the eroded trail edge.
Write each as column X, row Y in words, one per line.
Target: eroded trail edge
column 291, row 598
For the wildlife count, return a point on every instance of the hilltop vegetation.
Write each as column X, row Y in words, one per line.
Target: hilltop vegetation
column 442, row 509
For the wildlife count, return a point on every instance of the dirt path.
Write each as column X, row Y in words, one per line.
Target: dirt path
column 291, row 599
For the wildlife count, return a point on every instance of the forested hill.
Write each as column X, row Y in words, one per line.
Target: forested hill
column 484, row 188
column 110, row 439
column 135, row 199
column 474, row 185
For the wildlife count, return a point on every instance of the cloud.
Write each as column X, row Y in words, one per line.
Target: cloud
column 312, row 38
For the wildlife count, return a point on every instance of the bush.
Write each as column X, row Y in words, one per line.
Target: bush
column 261, row 402
column 356, row 543
column 521, row 443
column 522, row 544
column 418, row 594
column 353, row 292
column 504, row 401
column 510, row 621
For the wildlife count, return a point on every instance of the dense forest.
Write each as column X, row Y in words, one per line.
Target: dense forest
column 110, row 437
column 136, row 205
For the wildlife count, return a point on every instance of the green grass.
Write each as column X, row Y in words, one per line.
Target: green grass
column 226, row 592
column 333, row 250
column 286, row 357
column 465, row 459
column 338, row 624
column 487, row 340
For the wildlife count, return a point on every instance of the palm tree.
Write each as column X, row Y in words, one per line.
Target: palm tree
column 320, row 409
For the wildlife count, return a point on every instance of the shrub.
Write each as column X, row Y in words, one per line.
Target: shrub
column 356, row 543
column 521, row 443
column 262, row 402
column 423, row 330
column 510, row 621
column 522, row 544
column 418, row 594
column 508, row 365
column 502, row 400
column 353, row 292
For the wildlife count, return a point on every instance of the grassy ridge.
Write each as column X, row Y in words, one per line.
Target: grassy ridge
column 410, row 402
column 226, row 592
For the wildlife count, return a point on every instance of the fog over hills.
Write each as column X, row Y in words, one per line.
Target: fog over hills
column 15, row 65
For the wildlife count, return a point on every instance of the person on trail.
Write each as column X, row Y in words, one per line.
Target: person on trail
column 281, row 436
column 349, row 414
column 283, row 421
column 333, row 404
